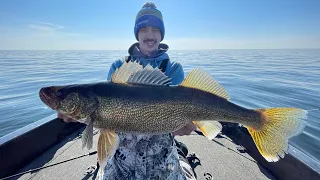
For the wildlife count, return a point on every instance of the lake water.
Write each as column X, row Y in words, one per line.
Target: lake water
column 253, row 79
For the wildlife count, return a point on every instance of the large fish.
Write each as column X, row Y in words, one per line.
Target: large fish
column 141, row 100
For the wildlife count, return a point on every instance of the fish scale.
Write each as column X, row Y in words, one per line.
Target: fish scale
column 165, row 112
column 154, row 117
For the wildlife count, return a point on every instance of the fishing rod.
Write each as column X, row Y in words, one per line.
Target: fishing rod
column 43, row 167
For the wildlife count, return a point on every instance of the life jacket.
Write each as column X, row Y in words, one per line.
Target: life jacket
column 163, row 65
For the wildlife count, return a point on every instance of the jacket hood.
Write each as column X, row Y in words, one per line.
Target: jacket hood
column 136, row 53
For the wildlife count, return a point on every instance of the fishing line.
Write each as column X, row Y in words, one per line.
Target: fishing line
column 43, row 167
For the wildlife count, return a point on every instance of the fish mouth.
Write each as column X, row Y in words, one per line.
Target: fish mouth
column 48, row 96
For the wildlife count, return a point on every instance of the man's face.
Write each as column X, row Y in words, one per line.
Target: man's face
column 149, row 39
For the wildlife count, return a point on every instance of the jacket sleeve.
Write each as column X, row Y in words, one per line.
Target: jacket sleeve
column 113, row 68
column 176, row 73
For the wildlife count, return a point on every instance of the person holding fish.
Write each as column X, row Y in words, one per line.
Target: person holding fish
column 138, row 152
column 147, row 101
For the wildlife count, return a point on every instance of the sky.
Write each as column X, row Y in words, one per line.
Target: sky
column 189, row 24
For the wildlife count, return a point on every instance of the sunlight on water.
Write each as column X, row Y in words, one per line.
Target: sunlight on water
column 253, row 79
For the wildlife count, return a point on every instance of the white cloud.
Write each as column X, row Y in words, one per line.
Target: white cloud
column 40, row 27
column 55, row 26
column 45, row 26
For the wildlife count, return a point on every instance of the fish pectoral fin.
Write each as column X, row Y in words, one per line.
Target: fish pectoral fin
column 209, row 128
column 87, row 135
column 278, row 125
column 107, row 145
column 199, row 79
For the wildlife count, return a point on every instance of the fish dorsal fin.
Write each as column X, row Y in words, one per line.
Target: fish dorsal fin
column 199, row 79
column 148, row 66
column 122, row 74
column 150, row 76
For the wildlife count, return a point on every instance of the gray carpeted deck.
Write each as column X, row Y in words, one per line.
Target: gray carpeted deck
column 219, row 159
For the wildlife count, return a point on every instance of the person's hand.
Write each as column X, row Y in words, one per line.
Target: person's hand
column 65, row 118
column 186, row 130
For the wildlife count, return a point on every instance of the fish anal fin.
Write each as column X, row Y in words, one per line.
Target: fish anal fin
column 209, row 128
column 107, row 145
column 199, row 79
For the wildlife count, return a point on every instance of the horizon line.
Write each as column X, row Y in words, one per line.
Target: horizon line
column 168, row 49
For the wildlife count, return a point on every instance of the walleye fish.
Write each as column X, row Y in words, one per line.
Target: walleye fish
column 141, row 100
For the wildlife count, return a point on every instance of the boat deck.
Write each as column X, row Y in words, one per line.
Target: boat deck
column 219, row 159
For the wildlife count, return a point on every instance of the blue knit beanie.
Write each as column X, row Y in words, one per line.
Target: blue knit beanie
column 149, row 15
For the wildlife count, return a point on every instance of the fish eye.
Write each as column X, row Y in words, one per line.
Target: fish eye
column 60, row 94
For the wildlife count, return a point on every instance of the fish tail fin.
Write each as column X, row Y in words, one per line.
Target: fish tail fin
column 278, row 126
column 209, row 128
column 107, row 145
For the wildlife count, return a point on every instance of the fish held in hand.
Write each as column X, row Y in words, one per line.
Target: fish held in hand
column 141, row 100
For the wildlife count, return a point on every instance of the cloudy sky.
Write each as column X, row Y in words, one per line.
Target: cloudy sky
column 189, row 24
